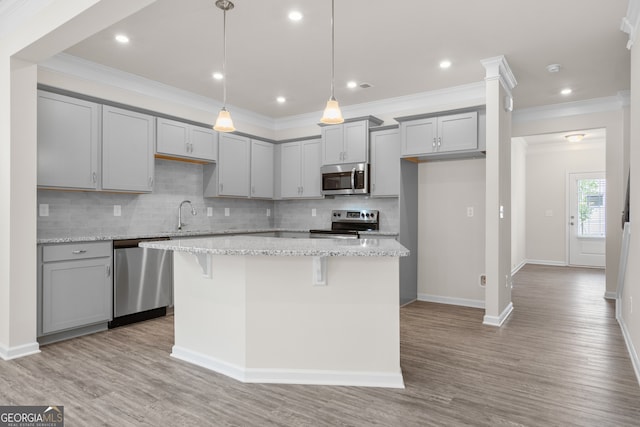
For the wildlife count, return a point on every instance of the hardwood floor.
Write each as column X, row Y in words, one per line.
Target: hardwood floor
column 560, row 360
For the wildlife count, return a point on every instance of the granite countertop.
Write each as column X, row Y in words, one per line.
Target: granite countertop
column 275, row 246
column 183, row 233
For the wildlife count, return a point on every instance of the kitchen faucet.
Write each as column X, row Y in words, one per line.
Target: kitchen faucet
column 193, row 212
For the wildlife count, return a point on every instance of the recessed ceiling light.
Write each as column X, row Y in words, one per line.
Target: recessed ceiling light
column 217, row 75
column 445, row 64
column 575, row 137
column 566, row 91
column 121, row 38
column 281, row 99
column 294, row 15
column 352, row 84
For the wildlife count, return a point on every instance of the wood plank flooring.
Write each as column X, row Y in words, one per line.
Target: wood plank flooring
column 560, row 360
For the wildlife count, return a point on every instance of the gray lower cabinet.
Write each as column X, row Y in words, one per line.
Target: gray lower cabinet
column 68, row 142
column 75, row 287
column 128, row 143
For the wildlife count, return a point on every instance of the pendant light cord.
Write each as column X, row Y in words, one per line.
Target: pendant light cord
column 224, row 58
column 333, row 67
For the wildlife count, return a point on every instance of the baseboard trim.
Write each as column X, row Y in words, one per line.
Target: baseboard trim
column 635, row 361
column 610, row 295
column 291, row 376
column 518, row 267
column 499, row 320
column 8, row 353
column 546, row 262
column 464, row 302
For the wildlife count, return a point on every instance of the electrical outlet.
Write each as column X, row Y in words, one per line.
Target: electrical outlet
column 117, row 210
column 470, row 211
column 209, row 211
column 268, row 212
column 43, row 209
column 483, row 280
column 313, row 212
column 227, row 212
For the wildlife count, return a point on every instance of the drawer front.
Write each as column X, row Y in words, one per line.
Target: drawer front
column 71, row 251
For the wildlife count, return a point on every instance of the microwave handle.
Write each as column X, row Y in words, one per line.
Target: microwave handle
column 353, row 178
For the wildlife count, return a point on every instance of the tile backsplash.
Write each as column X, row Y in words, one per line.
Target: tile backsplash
column 80, row 213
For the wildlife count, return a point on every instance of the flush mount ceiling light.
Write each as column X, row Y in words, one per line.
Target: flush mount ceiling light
column 566, row 91
column 121, row 38
column 575, row 137
column 445, row 64
column 294, row 15
column 332, row 114
column 224, row 122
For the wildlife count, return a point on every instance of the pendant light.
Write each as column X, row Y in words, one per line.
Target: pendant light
column 224, row 122
column 332, row 114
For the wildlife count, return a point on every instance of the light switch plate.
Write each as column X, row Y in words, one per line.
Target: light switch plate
column 268, row 212
column 313, row 212
column 117, row 210
column 227, row 212
column 209, row 211
column 43, row 209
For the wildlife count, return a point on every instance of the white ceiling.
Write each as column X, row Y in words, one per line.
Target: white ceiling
column 394, row 45
column 590, row 136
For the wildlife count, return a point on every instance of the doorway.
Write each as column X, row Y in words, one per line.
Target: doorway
column 587, row 219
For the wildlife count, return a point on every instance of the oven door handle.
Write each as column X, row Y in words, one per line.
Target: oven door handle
column 353, row 178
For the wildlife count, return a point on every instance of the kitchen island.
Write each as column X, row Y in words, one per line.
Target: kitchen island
column 282, row 310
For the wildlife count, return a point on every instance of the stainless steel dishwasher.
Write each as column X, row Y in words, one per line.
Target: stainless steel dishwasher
column 142, row 282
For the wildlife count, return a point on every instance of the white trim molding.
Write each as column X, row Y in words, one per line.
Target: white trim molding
column 291, row 376
column 631, row 22
column 498, row 68
column 575, row 108
column 19, row 351
column 635, row 360
column 518, row 267
column 611, row 295
column 498, row 321
column 464, row 302
column 547, row 262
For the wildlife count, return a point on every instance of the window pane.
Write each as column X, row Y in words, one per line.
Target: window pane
column 591, row 207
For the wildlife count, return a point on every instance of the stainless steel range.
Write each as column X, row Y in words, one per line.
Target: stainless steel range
column 346, row 224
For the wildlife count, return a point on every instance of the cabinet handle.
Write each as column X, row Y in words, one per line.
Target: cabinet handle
column 439, row 141
column 79, row 251
column 108, row 270
column 301, row 190
column 94, row 177
column 434, row 143
column 221, row 187
column 373, row 187
column 150, row 182
column 191, row 147
column 186, row 146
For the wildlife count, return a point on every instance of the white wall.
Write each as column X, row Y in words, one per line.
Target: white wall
column 518, row 203
column 547, row 166
column 450, row 243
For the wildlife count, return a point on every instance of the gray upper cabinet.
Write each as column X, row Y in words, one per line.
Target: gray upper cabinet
column 68, row 142
column 300, row 169
column 262, row 169
column 182, row 140
column 128, row 140
column 233, row 165
column 385, row 163
column 346, row 143
column 448, row 136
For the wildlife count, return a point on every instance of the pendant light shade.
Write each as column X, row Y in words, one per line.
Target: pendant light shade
column 332, row 114
column 224, row 122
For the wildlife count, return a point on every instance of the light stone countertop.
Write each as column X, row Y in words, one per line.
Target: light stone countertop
column 276, row 246
column 184, row 233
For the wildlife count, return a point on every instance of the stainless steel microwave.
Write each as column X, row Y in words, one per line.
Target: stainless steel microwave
column 351, row 178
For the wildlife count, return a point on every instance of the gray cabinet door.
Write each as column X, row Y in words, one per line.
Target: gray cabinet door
column 385, row 163
column 419, row 136
column 172, row 138
column 311, row 152
column 233, row 165
column 128, row 140
column 75, row 293
column 356, row 148
column 290, row 170
column 332, row 144
column 68, row 142
column 203, row 143
column 458, row 132
column 261, row 169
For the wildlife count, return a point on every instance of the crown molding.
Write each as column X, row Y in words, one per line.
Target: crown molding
column 14, row 13
column 576, row 108
column 631, row 22
column 97, row 73
column 498, row 68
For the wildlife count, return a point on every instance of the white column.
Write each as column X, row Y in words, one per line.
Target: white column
column 499, row 83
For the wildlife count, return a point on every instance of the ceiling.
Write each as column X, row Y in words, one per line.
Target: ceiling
column 395, row 46
column 590, row 136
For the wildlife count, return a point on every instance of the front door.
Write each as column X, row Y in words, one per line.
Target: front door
column 587, row 202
